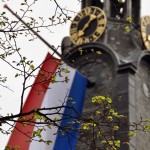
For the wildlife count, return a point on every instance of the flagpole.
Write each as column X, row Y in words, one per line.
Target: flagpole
column 41, row 38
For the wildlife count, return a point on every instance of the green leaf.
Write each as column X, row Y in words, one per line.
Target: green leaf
column 127, row 28
column 98, row 112
column 109, row 100
column 103, row 142
column 16, row 75
column 117, row 143
column 24, row 124
column 70, row 98
column 85, row 126
column 69, row 17
column 32, row 67
column 110, row 118
column 147, row 127
column 7, row 148
column 99, row 134
column 53, row 79
column 66, row 79
column 67, row 71
column 48, row 142
column 115, row 114
column 129, row 19
column 115, row 128
column 49, row 126
column 60, row 75
column 24, row 58
column 121, row 116
column 73, row 102
column 56, row 119
column 37, row 116
column 40, row 140
column 98, row 52
column 132, row 133
column 110, row 142
column 147, row 121
column 2, row 24
column 34, row 133
column 92, row 50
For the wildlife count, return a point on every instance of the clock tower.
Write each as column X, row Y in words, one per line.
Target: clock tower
column 112, row 51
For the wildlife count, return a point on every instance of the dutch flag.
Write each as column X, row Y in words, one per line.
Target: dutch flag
column 53, row 97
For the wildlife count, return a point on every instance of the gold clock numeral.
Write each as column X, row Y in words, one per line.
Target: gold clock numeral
column 83, row 12
column 100, row 29
column 146, row 20
column 79, row 41
column 97, row 12
column 78, row 18
column 94, row 36
column 99, row 16
column 86, row 40
column 74, row 37
column 101, row 25
column 73, row 30
column 143, row 28
column 101, row 22
column 144, row 36
column 74, row 24
column 97, row 34
column 147, row 43
column 91, row 38
column 143, row 24
column 80, row 15
column 87, row 11
column 93, row 11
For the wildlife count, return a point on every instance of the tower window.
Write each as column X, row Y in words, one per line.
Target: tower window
column 118, row 10
column 136, row 11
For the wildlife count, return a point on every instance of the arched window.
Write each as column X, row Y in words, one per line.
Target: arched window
column 118, row 10
column 136, row 6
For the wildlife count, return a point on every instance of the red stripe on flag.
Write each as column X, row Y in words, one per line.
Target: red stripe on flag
column 34, row 100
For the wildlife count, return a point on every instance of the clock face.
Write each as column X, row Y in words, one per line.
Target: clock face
column 88, row 25
column 145, row 30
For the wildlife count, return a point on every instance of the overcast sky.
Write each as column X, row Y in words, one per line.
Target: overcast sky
column 36, row 51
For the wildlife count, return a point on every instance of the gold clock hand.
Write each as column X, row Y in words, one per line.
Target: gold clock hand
column 81, row 32
column 148, row 37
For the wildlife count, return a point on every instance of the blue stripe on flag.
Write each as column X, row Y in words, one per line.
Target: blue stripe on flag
column 77, row 93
